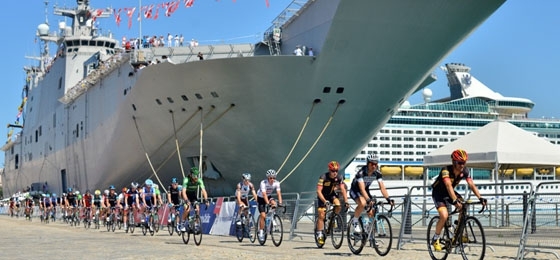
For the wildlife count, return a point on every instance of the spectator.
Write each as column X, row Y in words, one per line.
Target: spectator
column 200, row 57
column 310, row 52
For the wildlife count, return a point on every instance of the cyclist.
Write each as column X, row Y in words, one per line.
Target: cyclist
column 264, row 197
column 148, row 198
column 174, row 196
column 71, row 203
column 87, row 200
column 111, row 201
column 359, row 189
column 242, row 194
column 443, row 189
column 191, row 184
column 97, row 203
column 131, row 202
column 326, row 194
column 54, row 202
column 157, row 196
column 28, row 203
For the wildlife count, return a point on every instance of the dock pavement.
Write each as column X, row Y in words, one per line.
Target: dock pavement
column 22, row 239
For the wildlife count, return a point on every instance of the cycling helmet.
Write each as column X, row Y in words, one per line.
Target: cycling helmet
column 173, row 180
column 112, row 187
column 334, row 166
column 97, row 192
column 88, row 191
column 124, row 189
column 271, row 173
column 53, row 195
column 372, row 158
column 195, row 172
column 156, row 187
column 459, row 155
column 246, row 176
column 106, row 192
column 69, row 190
column 63, row 194
column 149, row 182
column 134, row 184
column 77, row 192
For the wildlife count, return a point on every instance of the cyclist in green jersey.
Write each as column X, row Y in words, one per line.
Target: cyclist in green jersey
column 191, row 185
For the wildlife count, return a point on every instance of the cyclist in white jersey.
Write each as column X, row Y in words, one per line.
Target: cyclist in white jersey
column 242, row 194
column 264, row 198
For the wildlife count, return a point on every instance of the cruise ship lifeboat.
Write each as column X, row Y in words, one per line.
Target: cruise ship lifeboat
column 391, row 170
column 507, row 172
column 557, row 171
column 414, row 171
column 524, row 171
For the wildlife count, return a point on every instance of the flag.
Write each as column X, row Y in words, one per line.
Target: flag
column 267, row 3
column 157, row 11
column 130, row 13
column 117, row 14
column 148, row 11
column 171, row 7
column 189, row 3
column 97, row 13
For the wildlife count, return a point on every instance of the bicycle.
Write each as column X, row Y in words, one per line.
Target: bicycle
column 194, row 226
column 245, row 225
column 111, row 222
column 96, row 221
column 173, row 220
column 272, row 227
column 378, row 231
column 333, row 225
column 131, row 222
column 150, row 221
column 465, row 232
column 87, row 218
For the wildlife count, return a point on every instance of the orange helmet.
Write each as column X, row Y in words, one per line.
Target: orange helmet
column 124, row 189
column 333, row 166
column 459, row 155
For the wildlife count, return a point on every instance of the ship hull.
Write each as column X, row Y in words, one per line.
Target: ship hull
column 250, row 114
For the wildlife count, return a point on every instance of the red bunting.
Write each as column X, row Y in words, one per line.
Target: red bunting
column 189, row 3
column 117, row 14
column 130, row 13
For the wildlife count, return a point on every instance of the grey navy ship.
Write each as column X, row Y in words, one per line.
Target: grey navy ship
column 97, row 115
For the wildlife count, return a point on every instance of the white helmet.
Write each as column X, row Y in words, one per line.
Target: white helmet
column 372, row 158
column 246, row 176
column 271, row 173
column 106, row 192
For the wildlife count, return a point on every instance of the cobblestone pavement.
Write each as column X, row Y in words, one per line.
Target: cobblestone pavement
column 22, row 239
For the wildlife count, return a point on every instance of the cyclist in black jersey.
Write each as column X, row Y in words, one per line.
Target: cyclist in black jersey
column 174, row 194
column 328, row 184
column 444, row 188
column 359, row 189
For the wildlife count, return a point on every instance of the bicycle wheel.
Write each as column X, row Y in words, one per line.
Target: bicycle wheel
column 197, row 231
column 144, row 228
column 113, row 223
column 277, row 230
column 315, row 231
column 356, row 241
column 151, row 226
column 263, row 240
column 336, row 228
column 170, row 226
column 383, row 235
column 186, row 236
column 177, row 223
column 240, row 230
column 473, row 241
column 131, row 222
column 250, row 227
column 108, row 224
column 437, row 254
column 156, row 221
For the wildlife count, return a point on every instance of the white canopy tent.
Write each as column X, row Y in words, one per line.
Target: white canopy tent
column 499, row 145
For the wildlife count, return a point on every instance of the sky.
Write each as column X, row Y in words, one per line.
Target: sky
column 516, row 52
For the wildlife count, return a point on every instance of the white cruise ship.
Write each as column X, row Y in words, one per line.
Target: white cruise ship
column 415, row 130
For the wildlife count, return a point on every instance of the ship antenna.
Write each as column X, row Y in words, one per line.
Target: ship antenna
column 46, row 12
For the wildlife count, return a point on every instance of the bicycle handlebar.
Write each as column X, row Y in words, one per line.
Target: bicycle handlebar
column 484, row 203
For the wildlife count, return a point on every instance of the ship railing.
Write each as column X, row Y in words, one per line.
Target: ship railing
column 94, row 77
column 190, row 53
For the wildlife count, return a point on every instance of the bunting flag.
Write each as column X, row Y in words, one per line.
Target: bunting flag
column 156, row 15
column 130, row 13
column 148, row 11
column 97, row 13
column 117, row 14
